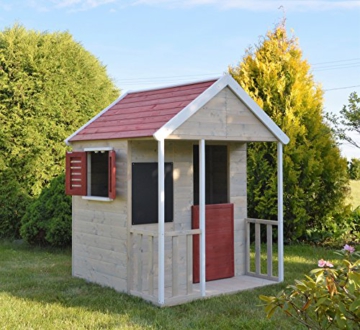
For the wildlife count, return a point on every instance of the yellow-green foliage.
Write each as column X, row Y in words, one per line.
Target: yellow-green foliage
column 49, row 87
column 315, row 180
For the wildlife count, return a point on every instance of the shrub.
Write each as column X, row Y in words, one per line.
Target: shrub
column 47, row 220
column 13, row 203
column 354, row 169
column 329, row 298
column 337, row 229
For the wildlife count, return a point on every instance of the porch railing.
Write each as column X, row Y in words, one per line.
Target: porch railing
column 143, row 261
column 269, row 248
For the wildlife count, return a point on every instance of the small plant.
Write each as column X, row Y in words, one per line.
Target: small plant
column 327, row 299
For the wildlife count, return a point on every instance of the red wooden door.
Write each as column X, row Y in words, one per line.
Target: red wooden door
column 219, row 239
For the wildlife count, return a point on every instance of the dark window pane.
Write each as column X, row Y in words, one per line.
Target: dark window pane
column 145, row 193
column 99, row 174
column 216, row 176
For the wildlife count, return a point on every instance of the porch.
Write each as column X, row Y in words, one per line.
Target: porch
column 178, row 270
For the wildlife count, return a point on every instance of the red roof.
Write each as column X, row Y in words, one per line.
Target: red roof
column 141, row 114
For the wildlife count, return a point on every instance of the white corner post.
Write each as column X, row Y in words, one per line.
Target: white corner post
column 280, row 211
column 161, row 222
column 202, row 216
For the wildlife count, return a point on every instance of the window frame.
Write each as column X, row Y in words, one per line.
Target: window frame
column 82, row 186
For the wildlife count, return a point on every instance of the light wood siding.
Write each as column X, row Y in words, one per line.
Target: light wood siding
column 99, row 243
column 180, row 154
column 237, row 193
column 103, row 251
column 225, row 117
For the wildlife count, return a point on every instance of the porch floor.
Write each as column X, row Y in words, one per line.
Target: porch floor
column 232, row 285
column 213, row 288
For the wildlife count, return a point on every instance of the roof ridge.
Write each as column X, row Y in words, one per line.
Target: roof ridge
column 173, row 85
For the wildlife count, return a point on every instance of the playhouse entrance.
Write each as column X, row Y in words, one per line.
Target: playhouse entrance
column 219, row 214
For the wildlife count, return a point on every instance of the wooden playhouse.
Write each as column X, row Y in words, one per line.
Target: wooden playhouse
column 158, row 180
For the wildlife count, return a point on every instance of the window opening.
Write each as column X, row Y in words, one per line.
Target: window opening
column 99, row 183
column 145, row 193
column 216, row 174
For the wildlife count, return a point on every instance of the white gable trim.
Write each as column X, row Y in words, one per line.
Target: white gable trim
column 67, row 140
column 190, row 109
column 206, row 96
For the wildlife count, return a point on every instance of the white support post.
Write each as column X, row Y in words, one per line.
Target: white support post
column 280, row 211
column 202, row 216
column 161, row 222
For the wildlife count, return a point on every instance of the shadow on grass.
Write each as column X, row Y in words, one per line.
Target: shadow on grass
column 44, row 276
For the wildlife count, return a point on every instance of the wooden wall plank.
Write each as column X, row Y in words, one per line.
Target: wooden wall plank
column 102, row 230
column 100, row 253
column 225, row 116
column 86, row 264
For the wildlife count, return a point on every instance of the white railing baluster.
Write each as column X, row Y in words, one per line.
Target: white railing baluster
column 139, row 263
column 175, row 268
column 247, row 247
column 269, row 249
column 257, row 249
column 151, row 265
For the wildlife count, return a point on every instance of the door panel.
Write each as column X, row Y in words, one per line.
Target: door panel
column 219, row 227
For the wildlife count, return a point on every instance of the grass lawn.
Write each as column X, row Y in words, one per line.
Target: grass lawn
column 38, row 292
column 355, row 193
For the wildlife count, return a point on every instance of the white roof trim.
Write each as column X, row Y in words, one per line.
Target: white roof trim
column 67, row 140
column 206, row 96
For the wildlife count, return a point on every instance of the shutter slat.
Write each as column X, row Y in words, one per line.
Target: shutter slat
column 76, row 177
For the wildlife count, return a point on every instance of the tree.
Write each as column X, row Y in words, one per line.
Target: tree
column 49, row 87
column 315, row 179
column 349, row 121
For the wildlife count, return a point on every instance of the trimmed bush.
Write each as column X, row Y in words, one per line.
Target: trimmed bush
column 47, row 220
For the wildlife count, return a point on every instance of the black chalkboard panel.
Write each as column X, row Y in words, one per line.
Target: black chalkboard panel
column 145, row 193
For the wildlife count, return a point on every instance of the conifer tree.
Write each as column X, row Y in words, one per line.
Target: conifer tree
column 49, row 87
column 276, row 76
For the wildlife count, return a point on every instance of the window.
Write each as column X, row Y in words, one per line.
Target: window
column 145, row 193
column 216, row 174
column 91, row 173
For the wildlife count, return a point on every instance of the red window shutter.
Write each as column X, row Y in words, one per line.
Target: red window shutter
column 112, row 174
column 75, row 177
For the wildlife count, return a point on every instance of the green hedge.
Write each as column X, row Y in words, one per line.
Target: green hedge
column 13, row 203
column 47, row 220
